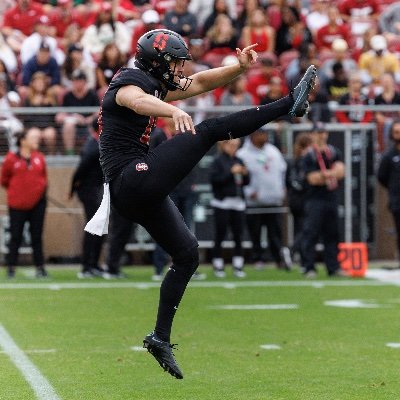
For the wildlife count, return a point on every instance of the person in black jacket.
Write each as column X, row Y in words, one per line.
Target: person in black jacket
column 87, row 182
column 228, row 176
column 296, row 188
column 389, row 177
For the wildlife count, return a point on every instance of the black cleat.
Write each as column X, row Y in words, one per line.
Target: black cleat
column 162, row 352
column 301, row 91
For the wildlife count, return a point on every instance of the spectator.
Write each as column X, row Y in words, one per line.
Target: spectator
column 275, row 92
column 110, row 62
column 361, row 15
column 340, row 54
column 87, row 183
column 337, row 86
column 323, row 170
column 236, row 93
column 218, row 7
column 292, row 33
column 334, row 29
column 389, row 177
column 389, row 20
column 150, row 20
column 9, row 79
column 319, row 110
column 72, row 123
column 318, row 17
column 258, row 84
column 354, row 97
column 201, row 9
column 264, row 194
column 180, row 20
column 258, row 31
column 24, row 176
column 19, row 21
column 197, row 49
column 76, row 60
column 104, row 31
column 44, row 62
column 10, row 125
column 41, row 34
column 384, row 119
column 308, row 55
column 222, row 36
column 228, row 175
column 40, row 95
column 378, row 60
column 7, row 56
column 296, row 189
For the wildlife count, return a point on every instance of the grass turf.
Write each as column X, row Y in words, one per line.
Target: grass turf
column 326, row 353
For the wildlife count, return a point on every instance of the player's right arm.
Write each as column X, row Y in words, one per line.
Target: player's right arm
column 140, row 102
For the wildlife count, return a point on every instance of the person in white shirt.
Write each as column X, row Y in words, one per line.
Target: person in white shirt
column 264, row 196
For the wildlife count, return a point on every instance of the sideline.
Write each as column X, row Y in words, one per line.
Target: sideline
column 39, row 384
column 223, row 285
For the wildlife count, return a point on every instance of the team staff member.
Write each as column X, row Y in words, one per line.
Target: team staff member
column 138, row 180
column 87, row 182
column 323, row 170
column 24, row 175
column 389, row 177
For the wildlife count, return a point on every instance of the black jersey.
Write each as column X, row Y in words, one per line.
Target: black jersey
column 125, row 135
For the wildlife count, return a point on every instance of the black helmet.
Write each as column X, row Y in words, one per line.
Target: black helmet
column 156, row 49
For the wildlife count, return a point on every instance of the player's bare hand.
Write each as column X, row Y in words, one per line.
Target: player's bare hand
column 183, row 121
column 247, row 57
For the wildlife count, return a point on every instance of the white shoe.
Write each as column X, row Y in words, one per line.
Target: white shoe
column 239, row 273
column 157, row 277
column 311, row 274
column 219, row 273
column 197, row 276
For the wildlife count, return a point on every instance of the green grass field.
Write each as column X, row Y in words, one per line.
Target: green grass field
column 79, row 336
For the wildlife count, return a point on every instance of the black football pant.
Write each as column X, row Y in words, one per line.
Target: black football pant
column 224, row 220
column 90, row 198
column 142, row 195
column 320, row 220
column 35, row 217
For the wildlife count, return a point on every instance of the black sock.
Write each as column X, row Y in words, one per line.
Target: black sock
column 245, row 122
column 171, row 292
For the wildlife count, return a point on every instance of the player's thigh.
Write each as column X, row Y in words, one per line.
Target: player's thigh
column 167, row 227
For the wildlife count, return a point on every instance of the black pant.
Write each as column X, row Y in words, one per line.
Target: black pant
column 120, row 233
column 396, row 219
column 272, row 221
column 320, row 220
column 224, row 220
column 298, row 221
column 142, row 195
column 35, row 217
column 91, row 199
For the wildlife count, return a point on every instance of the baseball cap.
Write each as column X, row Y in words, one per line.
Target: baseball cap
column 378, row 43
column 78, row 74
column 75, row 47
column 319, row 126
column 44, row 46
column 151, row 17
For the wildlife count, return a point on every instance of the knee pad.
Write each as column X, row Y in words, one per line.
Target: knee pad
column 187, row 261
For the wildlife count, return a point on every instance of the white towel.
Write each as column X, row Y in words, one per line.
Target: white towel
column 98, row 225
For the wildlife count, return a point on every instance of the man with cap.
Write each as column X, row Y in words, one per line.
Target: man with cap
column 373, row 63
column 76, row 123
column 323, row 169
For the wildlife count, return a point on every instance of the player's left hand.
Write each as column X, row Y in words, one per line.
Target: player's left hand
column 247, row 57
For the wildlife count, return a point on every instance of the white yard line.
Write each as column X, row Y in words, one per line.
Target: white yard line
column 224, row 284
column 39, row 384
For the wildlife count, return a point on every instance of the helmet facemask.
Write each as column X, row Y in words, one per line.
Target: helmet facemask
column 168, row 76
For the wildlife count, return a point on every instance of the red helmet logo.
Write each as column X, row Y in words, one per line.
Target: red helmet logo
column 160, row 41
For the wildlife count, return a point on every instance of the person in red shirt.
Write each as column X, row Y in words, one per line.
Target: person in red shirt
column 24, row 176
column 22, row 17
column 333, row 30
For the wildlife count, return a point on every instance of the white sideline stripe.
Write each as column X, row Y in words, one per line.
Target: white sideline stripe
column 393, row 345
column 256, row 307
column 392, row 277
column 35, row 351
column 352, row 303
column 226, row 285
column 270, row 347
column 39, row 384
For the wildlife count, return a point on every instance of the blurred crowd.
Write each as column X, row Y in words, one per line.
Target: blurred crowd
column 65, row 52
